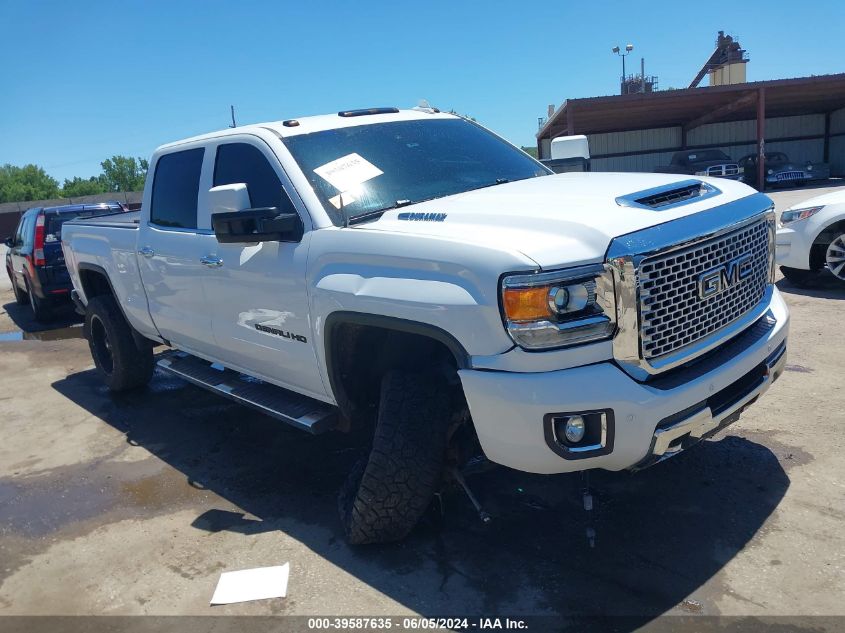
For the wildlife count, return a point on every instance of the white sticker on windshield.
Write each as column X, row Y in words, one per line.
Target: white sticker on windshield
column 347, row 172
column 347, row 196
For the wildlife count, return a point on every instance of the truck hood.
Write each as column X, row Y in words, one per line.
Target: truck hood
column 564, row 219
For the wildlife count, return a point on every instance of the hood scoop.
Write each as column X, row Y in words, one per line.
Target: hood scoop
column 669, row 196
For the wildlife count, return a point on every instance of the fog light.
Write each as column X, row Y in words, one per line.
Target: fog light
column 575, row 429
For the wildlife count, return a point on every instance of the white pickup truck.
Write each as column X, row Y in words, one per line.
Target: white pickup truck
column 411, row 272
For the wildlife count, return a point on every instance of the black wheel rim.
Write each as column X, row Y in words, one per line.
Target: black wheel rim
column 101, row 346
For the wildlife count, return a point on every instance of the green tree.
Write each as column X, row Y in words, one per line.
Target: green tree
column 531, row 151
column 22, row 184
column 82, row 187
column 124, row 173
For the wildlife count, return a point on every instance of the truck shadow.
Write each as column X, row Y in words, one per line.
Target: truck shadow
column 21, row 315
column 826, row 286
column 660, row 535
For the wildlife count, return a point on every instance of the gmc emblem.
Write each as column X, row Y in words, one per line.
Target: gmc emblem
column 720, row 279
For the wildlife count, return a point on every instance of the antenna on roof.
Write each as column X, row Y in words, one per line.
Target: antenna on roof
column 424, row 106
column 233, row 117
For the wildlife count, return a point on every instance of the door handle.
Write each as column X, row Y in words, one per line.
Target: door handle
column 212, row 261
column 146, row 251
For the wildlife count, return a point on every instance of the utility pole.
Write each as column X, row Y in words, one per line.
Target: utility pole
column 618, row 51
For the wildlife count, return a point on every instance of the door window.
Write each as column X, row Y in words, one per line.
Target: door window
column 18, row 239
column 175, row 189
column 27, row 237
column 242, row 162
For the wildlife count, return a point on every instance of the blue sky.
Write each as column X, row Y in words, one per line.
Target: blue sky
column 82, row 81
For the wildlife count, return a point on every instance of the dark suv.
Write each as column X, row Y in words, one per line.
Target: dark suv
column 702, row 162
column 35, row 262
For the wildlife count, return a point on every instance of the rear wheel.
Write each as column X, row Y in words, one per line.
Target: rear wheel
column 835, row 257
column 20, row 295
column 387, row 493
column 40, row 307
column 122, row 362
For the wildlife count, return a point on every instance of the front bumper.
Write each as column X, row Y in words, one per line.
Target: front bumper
column 651, row 420
column 792, row 248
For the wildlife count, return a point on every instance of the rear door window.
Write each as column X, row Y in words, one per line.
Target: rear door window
column 175, row 189
column 242, row 162
column 19, row 232
column 28, row 232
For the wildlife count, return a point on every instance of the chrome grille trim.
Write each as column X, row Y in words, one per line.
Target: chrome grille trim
column 628, row 252
column 673, row 315
column 729, row 169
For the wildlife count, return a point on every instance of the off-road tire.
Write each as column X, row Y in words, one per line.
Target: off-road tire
column 123, row 362
column 388, row 492
column 798, row 277
column 40, row 307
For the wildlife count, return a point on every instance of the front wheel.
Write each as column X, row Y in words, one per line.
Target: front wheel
column 387, row 493
column 122, row 362
column 835, row 257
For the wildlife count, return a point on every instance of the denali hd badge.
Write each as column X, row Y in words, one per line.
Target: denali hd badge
column 283, row 333
column 720, row 279
column 422, row 217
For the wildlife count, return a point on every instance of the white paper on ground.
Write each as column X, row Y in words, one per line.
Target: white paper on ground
column 252, row 584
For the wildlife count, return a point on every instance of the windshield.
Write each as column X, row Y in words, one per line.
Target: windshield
column 387, row 165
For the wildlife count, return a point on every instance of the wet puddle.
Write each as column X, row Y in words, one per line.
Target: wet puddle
column 59, row 334
column 42, row 504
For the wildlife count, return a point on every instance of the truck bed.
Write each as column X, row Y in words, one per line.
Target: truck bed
column 107, row 245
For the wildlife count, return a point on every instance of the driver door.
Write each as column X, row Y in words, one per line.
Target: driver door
column 256, row 293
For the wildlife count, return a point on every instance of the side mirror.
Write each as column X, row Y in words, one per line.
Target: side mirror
column 9, row 242
column 265, row 224
column 228, row 198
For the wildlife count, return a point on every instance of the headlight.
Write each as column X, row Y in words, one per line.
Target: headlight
column 555, row 309
column 798, row 214
column 770, row 172
column 701, row 173
column 740, row 170
column 809, row 168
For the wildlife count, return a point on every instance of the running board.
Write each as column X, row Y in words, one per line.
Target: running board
column 297, row 410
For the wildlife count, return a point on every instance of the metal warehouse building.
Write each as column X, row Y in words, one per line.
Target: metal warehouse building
column 803, row 117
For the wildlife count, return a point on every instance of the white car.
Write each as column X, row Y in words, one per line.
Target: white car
column 412, row 273
column 811, row 238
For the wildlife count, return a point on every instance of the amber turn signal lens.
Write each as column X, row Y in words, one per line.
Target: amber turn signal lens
column 526, row 304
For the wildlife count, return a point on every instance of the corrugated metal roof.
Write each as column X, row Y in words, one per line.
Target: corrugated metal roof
column 695, row 106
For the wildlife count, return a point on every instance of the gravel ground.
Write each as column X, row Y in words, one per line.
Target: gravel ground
column 135, row 504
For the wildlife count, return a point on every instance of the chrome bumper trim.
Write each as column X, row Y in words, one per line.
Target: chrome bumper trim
column 669, row 441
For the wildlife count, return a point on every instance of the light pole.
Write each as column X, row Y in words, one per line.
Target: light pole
column 618, row 51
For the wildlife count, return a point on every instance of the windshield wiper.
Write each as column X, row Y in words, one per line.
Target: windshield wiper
column 374, row 215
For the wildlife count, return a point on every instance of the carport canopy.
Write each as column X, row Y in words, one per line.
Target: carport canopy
column 690, row 108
